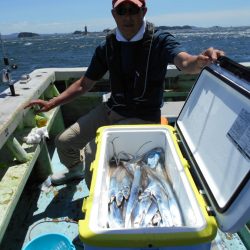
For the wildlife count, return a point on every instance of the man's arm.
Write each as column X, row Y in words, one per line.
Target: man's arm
column 193, row 64
column 78, row 88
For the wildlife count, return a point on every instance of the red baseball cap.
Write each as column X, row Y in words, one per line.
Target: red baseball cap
column 139, row 3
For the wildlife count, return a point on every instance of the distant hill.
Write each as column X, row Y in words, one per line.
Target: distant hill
column 77, row 32
column 27, row 34
column 175, row 27
column 9, row 36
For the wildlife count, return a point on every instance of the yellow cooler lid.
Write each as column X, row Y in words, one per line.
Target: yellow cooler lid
column 214, row 126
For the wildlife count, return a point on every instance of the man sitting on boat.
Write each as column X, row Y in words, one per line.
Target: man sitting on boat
column 136, row 54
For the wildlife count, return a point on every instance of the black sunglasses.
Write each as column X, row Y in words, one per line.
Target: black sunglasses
column 131, row 10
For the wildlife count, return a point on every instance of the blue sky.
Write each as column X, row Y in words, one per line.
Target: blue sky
column 59, row 16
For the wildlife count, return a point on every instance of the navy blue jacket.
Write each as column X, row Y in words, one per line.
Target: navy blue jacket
column 137, row 72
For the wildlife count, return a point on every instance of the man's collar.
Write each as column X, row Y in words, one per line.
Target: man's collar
column 138, row 36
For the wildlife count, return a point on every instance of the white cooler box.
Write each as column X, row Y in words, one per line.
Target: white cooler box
column 207, row 160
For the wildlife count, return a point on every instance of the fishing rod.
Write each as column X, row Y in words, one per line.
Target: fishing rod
column 6, row 72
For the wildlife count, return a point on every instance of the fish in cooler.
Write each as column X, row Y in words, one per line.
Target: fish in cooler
column 134, row 192
column 115, row 216
column 140, row 193
column 143, row 205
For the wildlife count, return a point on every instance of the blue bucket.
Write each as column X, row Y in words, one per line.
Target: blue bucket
column 50, row 242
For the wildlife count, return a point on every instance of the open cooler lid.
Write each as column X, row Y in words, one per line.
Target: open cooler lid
column 214, row 125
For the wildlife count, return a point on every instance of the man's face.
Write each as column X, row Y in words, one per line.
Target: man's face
column 129, row 18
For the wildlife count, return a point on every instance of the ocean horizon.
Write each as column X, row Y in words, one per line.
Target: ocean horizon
column 70, row 50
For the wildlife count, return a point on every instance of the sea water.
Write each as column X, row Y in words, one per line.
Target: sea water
column 68, row 50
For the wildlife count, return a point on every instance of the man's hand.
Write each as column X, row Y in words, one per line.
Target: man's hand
column 77, row 88
column 43, row 105
column 193, row 64
column 208, row 56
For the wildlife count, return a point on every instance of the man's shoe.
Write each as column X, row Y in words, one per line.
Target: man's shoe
column 75, row 173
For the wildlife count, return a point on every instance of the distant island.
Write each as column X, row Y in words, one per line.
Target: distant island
column 27, row 34
column 184, row 27
column 105, row 31
column 78, row 32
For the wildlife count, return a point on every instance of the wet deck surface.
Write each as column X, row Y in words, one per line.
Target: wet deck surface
column 58, row 209
column 55, row 210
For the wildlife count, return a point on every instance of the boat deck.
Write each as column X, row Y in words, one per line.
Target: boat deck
column 31, row 212
column 54, row 210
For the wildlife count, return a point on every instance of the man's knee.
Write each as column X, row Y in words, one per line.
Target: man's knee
column 68, row 136
column 59, row 140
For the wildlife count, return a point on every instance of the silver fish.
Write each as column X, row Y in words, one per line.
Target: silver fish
column 119, row 198
column 162, row 202
column 112, row 189
column 144, row 203
column 153, row 157
column 113, row 183
column 147, row 221
column 115, row 191
column 175, row 211
column 129, row 166
column 135, row 189
column 124, row 182
column 115, row 216
column 126, row 186
column 174, row 208
column 144, row 200
column 134, row 214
